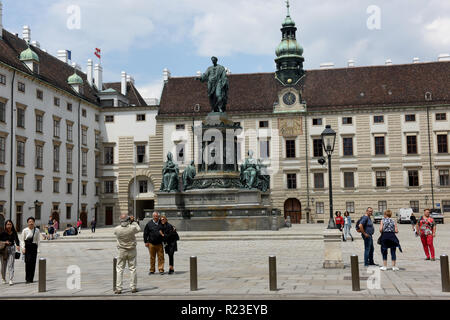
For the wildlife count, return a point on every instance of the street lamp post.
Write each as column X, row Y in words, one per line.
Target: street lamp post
column 328, row 141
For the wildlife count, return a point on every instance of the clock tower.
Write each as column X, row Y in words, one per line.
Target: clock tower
column 289, row 58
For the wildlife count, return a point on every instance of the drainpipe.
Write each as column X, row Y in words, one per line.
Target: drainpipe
column 429, row 155
column 12, row 150
column 307, row 168
column 79, row 159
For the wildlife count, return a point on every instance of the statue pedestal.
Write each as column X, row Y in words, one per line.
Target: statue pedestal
column 333, row 251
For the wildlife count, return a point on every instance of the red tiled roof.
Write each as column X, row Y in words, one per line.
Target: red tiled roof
column 323, row 89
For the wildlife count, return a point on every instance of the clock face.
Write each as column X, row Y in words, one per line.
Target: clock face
column 289, row 98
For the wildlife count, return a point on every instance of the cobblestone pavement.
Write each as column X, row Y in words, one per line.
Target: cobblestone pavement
column 236, row 269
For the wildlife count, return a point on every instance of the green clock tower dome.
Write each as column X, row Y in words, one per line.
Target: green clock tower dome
column 289, row 52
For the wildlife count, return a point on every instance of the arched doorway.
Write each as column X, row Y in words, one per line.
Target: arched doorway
column 83, row 217
column 293, row 208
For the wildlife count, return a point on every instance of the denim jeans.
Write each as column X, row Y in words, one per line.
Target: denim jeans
column 368, row 250
column 384, row 253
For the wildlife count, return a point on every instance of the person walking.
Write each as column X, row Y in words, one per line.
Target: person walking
column 50, row 228
column 29, row 243
column 170, row 238
column 413, row 220
column 426, row 227
column 153, row 241
column 388, row 239
column 367, row 230
column 55, row 227
column 347, row 225
column 10, row 237
column 79, row 224
column 93, row 224
column 126, row 244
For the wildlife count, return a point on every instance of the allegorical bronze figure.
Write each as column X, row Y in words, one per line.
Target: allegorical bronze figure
column 216, row 76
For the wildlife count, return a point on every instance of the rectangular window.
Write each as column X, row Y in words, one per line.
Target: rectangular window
column 109, row 118
column 320, row 208
column 19, row 183
column 39, row 157
column 69, row 106
column 348, row 146
column 84, row 189
column 69, row 132
column 69, row 187
column 264, row 124
column 446, row 205
column 180, row 152
column 109, row 186
column 2, row 149
column 39, row 94
column 291, row 181
column 380, row 178
column 97, row 166
column 413, row 178
column 2, row 112
column 378, row 119
column 20, row 153
column 97, row 140
column 350, row 207
column 39, row 123
column 84, row 136
column 37, row 212
column 414, row 205
column 347, row 120
column 441, row 116
column 140, row 153
column 442, row 143
column 411, row 144
column 21, row 118
column 38, row 184
column 382, row 206
column 56, row 186
column 290, row 148
column 2, row 181
column 97, row 118
column 68, row 212
column 179, row 127
column 349, row 179
column 140, row 117
column 84, row 163
column 21, row 86
column 379, row 146
column 264, row 149
column 56, row 128
column 143, row 186
column 410, row 117
column 444, row 178
column 107, row 103
column 55, row 158
column 318, row 180
column 56, row 101
column 83, row 113
column 317, row 148
column 109, row 155
column 97, row 189
column 69, row 160
column 317, row 121
column 2, row 79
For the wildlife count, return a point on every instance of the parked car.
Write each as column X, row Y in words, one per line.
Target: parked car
column 404, row 215
column 377, row 216
column 437, row 215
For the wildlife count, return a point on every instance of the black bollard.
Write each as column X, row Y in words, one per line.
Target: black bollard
column 42, row 275
column 355, row 273
column 193, row 262
column 445, row 273
column 273, row 273
column 114, row 273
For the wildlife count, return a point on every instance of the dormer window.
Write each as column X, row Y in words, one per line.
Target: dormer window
column 30, row 59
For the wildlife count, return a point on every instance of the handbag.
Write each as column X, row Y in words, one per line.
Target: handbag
column 379, row 239
column 17, row 255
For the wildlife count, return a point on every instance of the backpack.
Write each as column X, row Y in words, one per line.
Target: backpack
column 358, row 223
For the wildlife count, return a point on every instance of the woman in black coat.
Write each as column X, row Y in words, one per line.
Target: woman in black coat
column 170, row 238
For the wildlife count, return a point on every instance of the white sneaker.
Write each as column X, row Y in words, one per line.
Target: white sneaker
column 395, row 269
column 11, row 283
column 383, row 268
column 3, row 281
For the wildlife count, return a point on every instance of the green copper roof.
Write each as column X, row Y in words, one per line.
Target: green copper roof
column 109, row 90
column 289, row 47
column 288, row 22
column 74, row 79
column 29, row 54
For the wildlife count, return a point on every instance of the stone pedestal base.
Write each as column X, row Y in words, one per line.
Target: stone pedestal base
column 333, row 251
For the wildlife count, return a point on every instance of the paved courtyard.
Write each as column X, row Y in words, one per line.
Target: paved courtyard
column 230, row 266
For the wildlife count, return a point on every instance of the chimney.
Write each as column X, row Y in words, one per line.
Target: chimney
column 1, row 20
column 130, row 79
column 228, row 71
column 199, row 73
column 36, row 44
column 26, row 34
column 76, row 66
column 351, row 63
column 388, row 62
column 90, row 72
column 123, row 83
column 63, row 56
column 327, row 65
column 416, row 60
column 444, row 57
column 98, row 76
column 166, row 74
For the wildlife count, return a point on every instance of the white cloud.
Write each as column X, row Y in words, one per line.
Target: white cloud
column 152, row 89
column 438, row 32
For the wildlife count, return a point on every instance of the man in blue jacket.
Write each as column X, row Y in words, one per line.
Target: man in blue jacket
column 367, row 230
column 153, row 241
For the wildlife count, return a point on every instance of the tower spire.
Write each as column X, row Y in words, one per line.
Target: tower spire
column 287, row 6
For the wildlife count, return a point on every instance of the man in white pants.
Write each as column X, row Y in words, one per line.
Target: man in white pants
column 126, row 243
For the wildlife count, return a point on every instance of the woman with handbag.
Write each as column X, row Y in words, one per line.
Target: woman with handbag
column 388, row 239
column 9, row 236
column 29, row 244
column 170, row 238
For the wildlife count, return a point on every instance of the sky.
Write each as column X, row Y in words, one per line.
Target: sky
column 142, row 37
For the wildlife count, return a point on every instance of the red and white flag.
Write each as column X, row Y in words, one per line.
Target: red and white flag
column 97, row 52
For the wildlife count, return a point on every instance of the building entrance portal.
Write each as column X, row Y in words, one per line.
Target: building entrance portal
column 142, row 206
column 293, row 208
